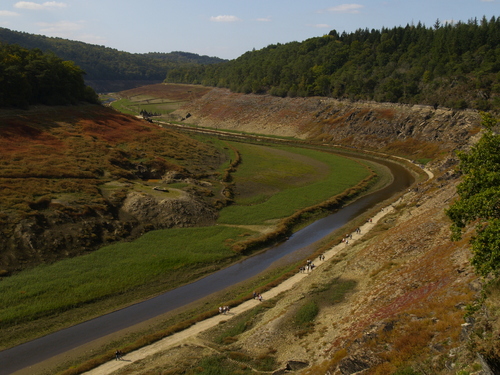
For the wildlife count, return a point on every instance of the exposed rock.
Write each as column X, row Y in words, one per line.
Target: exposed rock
column 367, row 125
column 290, row 367
column 296, row 365
column 488, row 367
column 358, row 362
column 167, row 213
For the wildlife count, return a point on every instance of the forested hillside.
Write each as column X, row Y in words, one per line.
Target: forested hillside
column 453, row 65
column 103, row 63
column 32, row 77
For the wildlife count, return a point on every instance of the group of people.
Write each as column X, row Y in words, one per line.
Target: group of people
column 257, row 296
column 346, row 239
column 223, row 310
column 349, row 236
column 118, row 355
column 310, row 265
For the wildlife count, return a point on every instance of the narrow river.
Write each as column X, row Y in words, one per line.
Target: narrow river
column 298, row 246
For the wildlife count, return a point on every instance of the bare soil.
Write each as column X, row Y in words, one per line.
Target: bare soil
column 171, row 91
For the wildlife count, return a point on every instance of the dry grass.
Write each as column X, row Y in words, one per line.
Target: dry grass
column 56, row 160
column 168, row 91
column 413, row 148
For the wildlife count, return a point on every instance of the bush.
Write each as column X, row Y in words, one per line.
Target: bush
column 307, row 313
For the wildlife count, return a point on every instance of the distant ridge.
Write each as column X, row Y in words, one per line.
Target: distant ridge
column 451, row 65
column 107, row 67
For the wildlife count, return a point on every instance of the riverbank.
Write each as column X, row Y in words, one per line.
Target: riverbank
column 85, row 335
column 409, row 290
column 178, row 338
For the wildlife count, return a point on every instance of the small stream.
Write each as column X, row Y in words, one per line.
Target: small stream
column 297, row 247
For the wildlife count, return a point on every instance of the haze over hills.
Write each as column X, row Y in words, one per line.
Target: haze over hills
column 108, row 69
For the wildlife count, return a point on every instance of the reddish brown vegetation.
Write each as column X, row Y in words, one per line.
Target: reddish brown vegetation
column 168, row 91
column 55, row 161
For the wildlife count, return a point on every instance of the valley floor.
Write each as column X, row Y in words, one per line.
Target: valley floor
column 140, row 360
column 407, row 308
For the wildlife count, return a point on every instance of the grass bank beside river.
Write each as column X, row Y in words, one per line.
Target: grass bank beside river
column 47, row 298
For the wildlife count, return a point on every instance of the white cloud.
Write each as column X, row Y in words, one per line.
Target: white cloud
column 224, row 19
column 321, row 25
column 8, row 13
column 60, row 27
column 54, row 4
column 27, row 5
column 266, row 19
column 36, row 6
column 346, row 8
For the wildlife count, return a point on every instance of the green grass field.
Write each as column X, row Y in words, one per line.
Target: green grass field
column 135, row 104
column 154, row 258
column 275, row 185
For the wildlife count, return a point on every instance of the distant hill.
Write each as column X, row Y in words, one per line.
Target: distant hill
column 107, row 67
column 453, row 65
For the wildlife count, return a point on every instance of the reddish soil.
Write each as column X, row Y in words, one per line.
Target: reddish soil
column 169, row 91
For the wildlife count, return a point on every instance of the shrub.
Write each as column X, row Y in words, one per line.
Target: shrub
column 307, row 313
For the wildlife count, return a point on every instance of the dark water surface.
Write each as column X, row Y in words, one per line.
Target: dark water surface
column 298, row 246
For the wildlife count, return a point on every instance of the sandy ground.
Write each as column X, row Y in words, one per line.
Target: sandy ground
column 177, row 338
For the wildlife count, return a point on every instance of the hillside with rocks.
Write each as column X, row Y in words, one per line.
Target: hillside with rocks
column 393, row 302
column 412, row 131
column 76, row 178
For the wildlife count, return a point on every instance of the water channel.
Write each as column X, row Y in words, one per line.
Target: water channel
column 298, row 246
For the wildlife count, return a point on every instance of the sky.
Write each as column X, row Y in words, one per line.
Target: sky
column 224, row 28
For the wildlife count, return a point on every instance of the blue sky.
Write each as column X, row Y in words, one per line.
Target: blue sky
column 223, row 28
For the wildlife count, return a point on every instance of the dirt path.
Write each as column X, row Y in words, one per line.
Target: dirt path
column 170, row 341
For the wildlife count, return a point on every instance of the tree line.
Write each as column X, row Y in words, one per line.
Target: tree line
column 104, row 63
column 453, row 65
column 31, row 77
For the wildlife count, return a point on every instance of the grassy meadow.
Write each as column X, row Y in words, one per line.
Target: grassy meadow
column 272, row 183
column 135, row 105
column 159, row 98
column 156, row 257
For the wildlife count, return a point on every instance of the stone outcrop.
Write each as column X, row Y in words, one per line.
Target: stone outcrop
column 367, row 125
column 168, row 213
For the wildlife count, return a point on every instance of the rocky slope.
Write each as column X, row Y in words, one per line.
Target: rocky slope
column 411, row 131
column 394, row 302
column 73, row 179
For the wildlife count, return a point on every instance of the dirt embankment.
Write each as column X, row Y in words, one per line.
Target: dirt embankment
column 411, row 131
